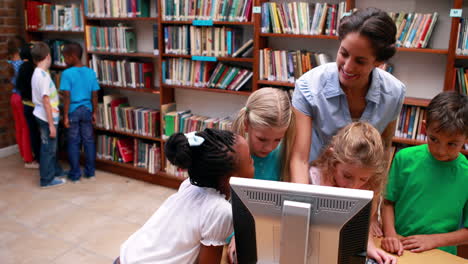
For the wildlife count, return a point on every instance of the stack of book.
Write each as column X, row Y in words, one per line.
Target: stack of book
column 120, row 39
column 287, row 66
column 216, row 10
column 47, row 16
column 204, row 41
column 121, row 8
column 302, row 18
column 123, row 73
column 186, row 121
column 115, row 113
column 461, row 84
column 410, row 123
column 414, row 30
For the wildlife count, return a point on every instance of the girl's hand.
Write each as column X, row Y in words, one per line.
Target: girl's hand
column 376, row 229
column 380, row 256
column 392, row 245
column 232, row 256
column 418, row 243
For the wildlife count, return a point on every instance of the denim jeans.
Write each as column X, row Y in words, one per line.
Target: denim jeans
column 81, row 132
column 48, row 165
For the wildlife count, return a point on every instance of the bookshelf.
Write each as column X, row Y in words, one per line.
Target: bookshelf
column 440, row 58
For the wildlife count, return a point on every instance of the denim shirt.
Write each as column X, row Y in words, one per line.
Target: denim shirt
column 318, row 95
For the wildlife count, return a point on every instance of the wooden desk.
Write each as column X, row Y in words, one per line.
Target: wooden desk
column 435, row 256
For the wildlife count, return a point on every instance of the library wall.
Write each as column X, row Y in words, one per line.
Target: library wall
column 10, row 25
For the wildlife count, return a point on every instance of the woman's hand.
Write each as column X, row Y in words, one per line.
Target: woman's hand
column 232, row 256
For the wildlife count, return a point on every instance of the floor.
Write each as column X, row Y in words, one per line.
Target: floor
column 74, row 223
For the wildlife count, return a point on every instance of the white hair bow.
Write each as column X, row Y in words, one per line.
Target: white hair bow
column 194, row 140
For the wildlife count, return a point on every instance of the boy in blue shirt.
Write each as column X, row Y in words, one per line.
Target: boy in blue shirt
column 80, row 93
column 427, row 190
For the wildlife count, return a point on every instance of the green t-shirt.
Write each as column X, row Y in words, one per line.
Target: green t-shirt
column 269, row 167
column 430, row 196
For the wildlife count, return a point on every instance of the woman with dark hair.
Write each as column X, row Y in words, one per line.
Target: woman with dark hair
column 353, row 88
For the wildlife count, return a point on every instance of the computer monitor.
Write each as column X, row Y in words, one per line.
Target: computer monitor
column 291, row 223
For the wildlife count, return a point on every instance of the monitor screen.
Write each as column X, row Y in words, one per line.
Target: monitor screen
column 281, row 222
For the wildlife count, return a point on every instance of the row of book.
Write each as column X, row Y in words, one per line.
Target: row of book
column 127, row 150
column 215, row 10
column 186, row 121
column 414, row 30
column 410, row 123
column 115, row 113
column 462, row 37
column 203, row 74
column 461, row 84
column 176, row 171
column 287, row 66
column 121, row 8
column 206, row 41
column 121, row 39
column 47, row 16
column 123, row 73
column 56, row 51
column 302, row 18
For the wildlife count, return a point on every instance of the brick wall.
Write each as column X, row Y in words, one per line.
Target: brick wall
column 10, row 25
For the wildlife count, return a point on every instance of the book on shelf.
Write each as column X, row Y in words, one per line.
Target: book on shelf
column 176, row 171
column 47, row 16
column 123, row 73
column 147, row 155
column 125, row 148
column 301, row 18
column 461, row 83
column 155, row 40
column 287, row 66
column 116, row 114
column 56, row 51
column 410, row 123
column 244, row 50
column 120, row 8
column 204, row 74
column 119, row 39
column 462, row 37
column 414, row 30
column 185, row 122
column 215, row 10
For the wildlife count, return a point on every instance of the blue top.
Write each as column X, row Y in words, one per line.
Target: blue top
column 318, row 94
column 16, row 65
column 81, row 82
column 269, row 167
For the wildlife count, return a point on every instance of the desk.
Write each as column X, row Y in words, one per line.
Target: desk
column 434, row 256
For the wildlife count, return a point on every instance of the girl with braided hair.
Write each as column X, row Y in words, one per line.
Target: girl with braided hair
column 192, row 225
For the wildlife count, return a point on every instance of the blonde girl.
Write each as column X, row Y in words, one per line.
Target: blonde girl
column 355, row 159
column 267, row 122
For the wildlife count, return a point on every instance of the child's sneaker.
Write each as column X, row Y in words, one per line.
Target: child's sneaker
column 91, row 178
column 54, row 182
column 31, row 165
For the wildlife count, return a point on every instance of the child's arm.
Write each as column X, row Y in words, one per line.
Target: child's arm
column 66, row 107
column 95, row 105
column 210, row 254
column 390, row 242
column 301, row 146
column 50, row 119
column 387, row 137
column 421, row 243
column 379, row 255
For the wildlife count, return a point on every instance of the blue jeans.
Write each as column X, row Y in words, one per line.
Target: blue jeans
column 48, row 165
column 81, row 132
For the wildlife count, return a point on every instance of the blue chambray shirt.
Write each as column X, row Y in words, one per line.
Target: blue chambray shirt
column 318, row 94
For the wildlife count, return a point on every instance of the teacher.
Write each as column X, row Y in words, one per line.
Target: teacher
column 353, row 88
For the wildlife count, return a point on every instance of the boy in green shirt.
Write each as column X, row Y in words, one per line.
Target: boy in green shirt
column 427, row 190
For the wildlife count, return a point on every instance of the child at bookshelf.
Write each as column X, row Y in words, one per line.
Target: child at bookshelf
column 23, row 85
column 354, row 158
column 14, row 46
column 194, row 223
column 353, row 88
column 80, row 95
column 426, row 195
column 267, row 122
column 46, row 111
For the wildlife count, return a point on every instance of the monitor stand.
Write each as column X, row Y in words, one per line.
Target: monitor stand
column 295, row 221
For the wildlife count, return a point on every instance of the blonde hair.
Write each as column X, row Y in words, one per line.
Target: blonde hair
column 360, row 144
column 269, row 107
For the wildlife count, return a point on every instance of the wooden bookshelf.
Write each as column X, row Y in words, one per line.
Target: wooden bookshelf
column 204, row 89
column 217, row 23
column 298, row 36
column 55, row 31
column 228, row 59
column 275, row 83
column 153, row 19
column 416, row 101
column 461, row 57
column 433, row 51
column 142, row 90
column 122, row 54
column 58, row 67
column 123, row 133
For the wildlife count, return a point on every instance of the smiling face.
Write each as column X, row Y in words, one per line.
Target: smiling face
column 355, row 61
column 444, row 146
column 352, row 176
column 263, row 140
